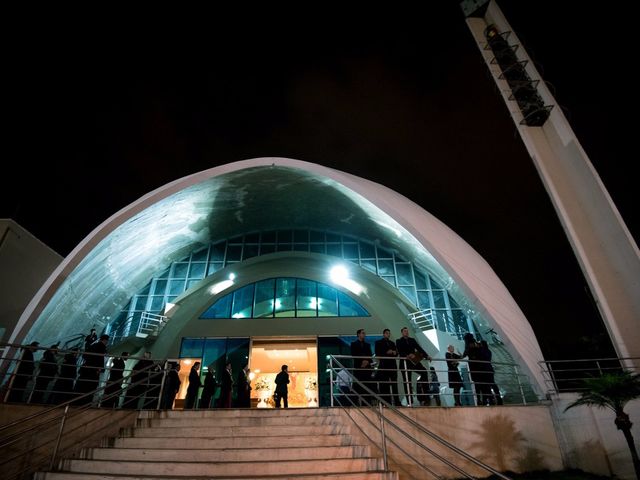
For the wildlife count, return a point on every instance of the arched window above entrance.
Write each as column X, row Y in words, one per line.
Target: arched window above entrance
column 285, row 297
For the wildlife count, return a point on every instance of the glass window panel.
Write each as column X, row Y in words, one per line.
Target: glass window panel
column 250, row 251
column 242, row 302
column 191, row 348
column 315, row 236
column 268, row 237
column 200, row 255
column 403, row 272
column 176, row 287
column 301, row 247
column 141, row 303
column 157, row 304
column 266, row 249
column 453, row 303
column 214, row 267
column 236, row 240
column 220, row 309
column 443, row 321
column 197, row 270
column 367, row 250
column 285, row 297
column 159, row 287
column 434, row 284
column 301, row 236
column 390, row 280
column 264, row 301
column 307, row 299
column 400, row 258
column 180, row 270
column 317, row 248
column 386, row 267
column 350, row 251
column 171, row 298
column 191, row 283
column 410, row 293
column 334, row 249
column 459, row 321
column 438, row 298
column 234, row 253
column 424, row 301
column 384, row 253
column 285, row 236
column 217, row 252
column 252, row 238
column 145, row 290
column 214, row 356
column 285, row 247
column 164, row 274
column 347, row 307
column 327, row 301
column 333, row 237
column 421, row 280
column 369, row 265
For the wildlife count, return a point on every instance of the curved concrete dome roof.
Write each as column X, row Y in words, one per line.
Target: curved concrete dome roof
column 120, row 256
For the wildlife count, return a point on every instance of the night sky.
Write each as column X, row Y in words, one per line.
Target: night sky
column 98, row 116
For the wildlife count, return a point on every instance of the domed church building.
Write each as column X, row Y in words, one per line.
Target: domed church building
column 275, row 261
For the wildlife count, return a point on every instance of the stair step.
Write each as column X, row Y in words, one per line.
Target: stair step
column 240, row 412
column 229, row 469
column 246, row 421
column 232, row 431
column 371, row 475
column 225, row 454
column 224, row 441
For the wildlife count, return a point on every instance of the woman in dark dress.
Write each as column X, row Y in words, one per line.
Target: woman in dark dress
column 194, row 386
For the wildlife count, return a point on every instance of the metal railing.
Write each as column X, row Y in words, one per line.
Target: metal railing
column 36, row 441
column 569, row 375
column 364, row 398
column 483, row 382
column 422, row 319
column 151, row 324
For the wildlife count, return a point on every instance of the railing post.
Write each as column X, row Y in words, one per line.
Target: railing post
column 599, row 369
column 384, row 438
column 331, row 378
column 55, row 449
column 164, row 377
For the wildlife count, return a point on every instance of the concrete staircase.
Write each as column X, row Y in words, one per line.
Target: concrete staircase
column 305, row 444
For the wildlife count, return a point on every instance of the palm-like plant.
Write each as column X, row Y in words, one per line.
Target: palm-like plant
column 613, row 391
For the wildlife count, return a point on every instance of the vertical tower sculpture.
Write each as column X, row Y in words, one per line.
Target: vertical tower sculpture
column 606, row 251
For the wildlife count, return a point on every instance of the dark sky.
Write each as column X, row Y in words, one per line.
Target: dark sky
column 98, row 116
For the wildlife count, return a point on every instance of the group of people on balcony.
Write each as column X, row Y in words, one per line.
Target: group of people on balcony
column 358, row 384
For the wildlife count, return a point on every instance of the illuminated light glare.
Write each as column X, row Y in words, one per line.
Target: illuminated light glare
column 278, row 303
column 340, row 276
column 252, row 375
column 313, row 303
column 232, row 276
column 238, row 315
column 187, row 362
column 220, row 286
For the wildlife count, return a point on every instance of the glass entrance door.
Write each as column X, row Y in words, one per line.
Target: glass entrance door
column 268, row 355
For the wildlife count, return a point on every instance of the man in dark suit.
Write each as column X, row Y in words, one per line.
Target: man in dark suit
column 361, row 350
column 387, row 374
column 414, row 353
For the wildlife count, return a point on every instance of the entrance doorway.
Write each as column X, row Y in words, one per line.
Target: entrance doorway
column 300, row 354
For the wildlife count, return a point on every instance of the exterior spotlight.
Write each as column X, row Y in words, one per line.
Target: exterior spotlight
column 232, row 276
column 339, row 274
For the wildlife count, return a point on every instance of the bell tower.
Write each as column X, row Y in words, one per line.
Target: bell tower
column 606, row 251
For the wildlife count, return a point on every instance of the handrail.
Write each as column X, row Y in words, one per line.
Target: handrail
column 516, row 386
column 14, row 432
column 371, row 394
column 570, row 378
